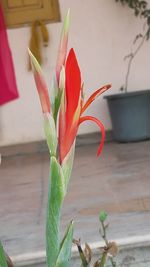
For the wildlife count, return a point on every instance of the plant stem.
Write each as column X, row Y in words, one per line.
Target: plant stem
column 107, row 243
column 55, row 200
column 131, row 57
column 103, row 259
column 81, row 253
column 104, row 234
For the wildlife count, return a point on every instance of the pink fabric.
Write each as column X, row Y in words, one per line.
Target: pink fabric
column 8, row 87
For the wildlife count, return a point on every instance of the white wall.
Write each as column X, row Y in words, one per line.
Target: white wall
column 101, row 33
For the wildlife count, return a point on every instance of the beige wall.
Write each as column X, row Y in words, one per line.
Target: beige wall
column 101, row 33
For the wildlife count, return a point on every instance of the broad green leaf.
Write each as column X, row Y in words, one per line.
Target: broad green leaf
column 3, row 262
column 65, row 249
column 55, row 200
column 67, row 165
column 50, row 133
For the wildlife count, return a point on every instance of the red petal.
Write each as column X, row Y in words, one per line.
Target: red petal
column 73, row 87
column 100, row 125
column 43, row 92
column 67, row 142
column 94, row 96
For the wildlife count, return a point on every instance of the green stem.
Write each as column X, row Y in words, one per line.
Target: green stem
column 81, row 253
column 55, row 200
column 103, row 259
column 104, row 234
column 113, row 263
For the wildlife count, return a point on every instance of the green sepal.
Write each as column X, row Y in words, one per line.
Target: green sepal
column 55, row 199
column 50, row 133
column 53, row 91
column 60, row 94
column 57, row 105
column 65, row 248
column 67, row 165
column 3, row 262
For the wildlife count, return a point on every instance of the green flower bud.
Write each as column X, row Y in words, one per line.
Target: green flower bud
column 102, row 216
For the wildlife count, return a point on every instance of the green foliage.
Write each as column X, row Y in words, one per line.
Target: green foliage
column 107, row 253
column 55, row 200
column 3, row 262
column 58, row 253
column 141, row 10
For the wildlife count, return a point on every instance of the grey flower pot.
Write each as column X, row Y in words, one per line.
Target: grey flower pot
column 130, row 115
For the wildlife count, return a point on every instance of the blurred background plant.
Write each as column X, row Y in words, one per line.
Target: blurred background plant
column 141, row 10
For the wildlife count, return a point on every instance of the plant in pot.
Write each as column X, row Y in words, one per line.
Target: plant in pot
column 130, row 111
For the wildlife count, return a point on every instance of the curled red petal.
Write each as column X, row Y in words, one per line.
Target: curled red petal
column 94, row 96
column 102, row 129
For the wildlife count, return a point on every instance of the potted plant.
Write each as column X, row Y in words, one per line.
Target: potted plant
column 130, row 111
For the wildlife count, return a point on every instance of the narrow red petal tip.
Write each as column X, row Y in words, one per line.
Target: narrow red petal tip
column 96, row 94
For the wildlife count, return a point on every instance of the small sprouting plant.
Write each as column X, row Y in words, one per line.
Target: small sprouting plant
column 107, row 252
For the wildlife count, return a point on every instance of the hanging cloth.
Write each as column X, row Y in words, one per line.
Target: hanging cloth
column 8, row 87
column 39, row 36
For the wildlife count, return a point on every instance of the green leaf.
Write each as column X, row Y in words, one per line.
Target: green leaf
column 3, row 262
column 67, row 165
column 50, row 133
column 65, row 249
column 55, row 200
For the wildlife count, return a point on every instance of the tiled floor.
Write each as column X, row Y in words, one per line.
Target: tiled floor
column 118, row 182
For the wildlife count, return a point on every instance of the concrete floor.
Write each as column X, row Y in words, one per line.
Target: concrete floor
column 118, row 182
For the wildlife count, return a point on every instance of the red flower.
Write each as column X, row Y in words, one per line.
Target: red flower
column 72, row 107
